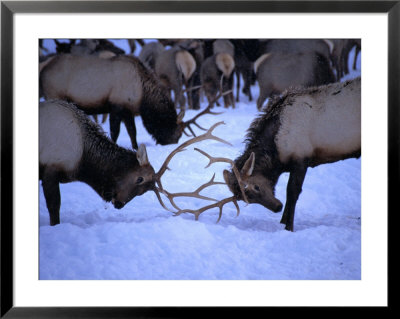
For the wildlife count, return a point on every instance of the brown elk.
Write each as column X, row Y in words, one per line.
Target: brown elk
column 277, row 72
column 320, row 46
column 243, row 68
column 301, row 129
column 149, row 54
column 74, row 148
column 215, row 69
column 174, row 67
column 121, row 86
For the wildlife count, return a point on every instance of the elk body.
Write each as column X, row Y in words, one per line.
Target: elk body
column 73, row 148
column 277, row 72
column 213, row 68
column 121, row 86
column 149, row 54
column 301, row 129
column 174, row 67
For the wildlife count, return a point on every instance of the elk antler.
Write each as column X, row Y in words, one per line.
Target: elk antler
column 220, row 204
column 207, row 110
column 195, row 193
column 206, row 136
column 234, row 169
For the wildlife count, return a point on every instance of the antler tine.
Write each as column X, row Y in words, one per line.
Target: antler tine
column 207, row 110
column 206, row 136
column 213, row 160
column 156, row 191
column 220, row 204
column 195, row 194
column 192, row 88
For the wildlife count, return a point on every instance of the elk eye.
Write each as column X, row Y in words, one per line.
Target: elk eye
column 256, row 188
column 139, row 180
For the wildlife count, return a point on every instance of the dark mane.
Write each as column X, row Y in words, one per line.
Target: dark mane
column 157, row 109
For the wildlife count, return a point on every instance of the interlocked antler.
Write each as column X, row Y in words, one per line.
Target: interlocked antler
column 219, row 204
column 234, row 169
column 195, row 194
column 206, row 136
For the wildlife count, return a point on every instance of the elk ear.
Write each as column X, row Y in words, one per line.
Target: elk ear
column 229, row 180
column 226, row 176
column 180, row 117
column 248, row 167
column 141, row 155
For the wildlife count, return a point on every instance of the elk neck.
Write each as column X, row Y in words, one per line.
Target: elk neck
column 103, row 162
column 157, row 110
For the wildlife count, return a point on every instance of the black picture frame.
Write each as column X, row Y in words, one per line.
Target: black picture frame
column 9, row 8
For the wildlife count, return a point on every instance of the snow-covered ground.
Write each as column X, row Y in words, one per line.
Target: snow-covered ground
column 144, row 241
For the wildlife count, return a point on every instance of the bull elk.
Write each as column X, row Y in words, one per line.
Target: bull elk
column 301, row 129
column 121, row 86
column 74, row 148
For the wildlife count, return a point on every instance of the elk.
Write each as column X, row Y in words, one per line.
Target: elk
column 340, row 55
column 215, row 69
column 322, row 47
column 149, row 54
column 196, row 48
column 174, row 67
column 121, row 86
column 303, row 128
column 244, row 68
column 74, row 148
column 277, row 72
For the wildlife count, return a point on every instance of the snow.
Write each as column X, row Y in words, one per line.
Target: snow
column 144, row 241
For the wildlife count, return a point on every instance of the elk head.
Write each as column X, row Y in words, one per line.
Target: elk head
column 135, row 182
column 245, row 185
column 257, row 188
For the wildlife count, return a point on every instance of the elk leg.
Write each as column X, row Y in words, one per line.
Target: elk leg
column 247, row 85
column 194, row 101
column 237, row 85
column 115, row 123
column 293, row 191
column 51, row 190
column 358, row 49
column 129, row 121
column 262, row 97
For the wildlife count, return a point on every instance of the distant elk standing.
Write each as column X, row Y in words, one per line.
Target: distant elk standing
column 277, row 72
column 175, row 67
column 216, row 68
column 149, row 54
column 303, row 128
column 121, row 86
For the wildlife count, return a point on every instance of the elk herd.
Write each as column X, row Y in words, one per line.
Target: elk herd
column 312, row 116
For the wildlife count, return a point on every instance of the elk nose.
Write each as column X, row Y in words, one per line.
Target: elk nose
column 118, row 204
